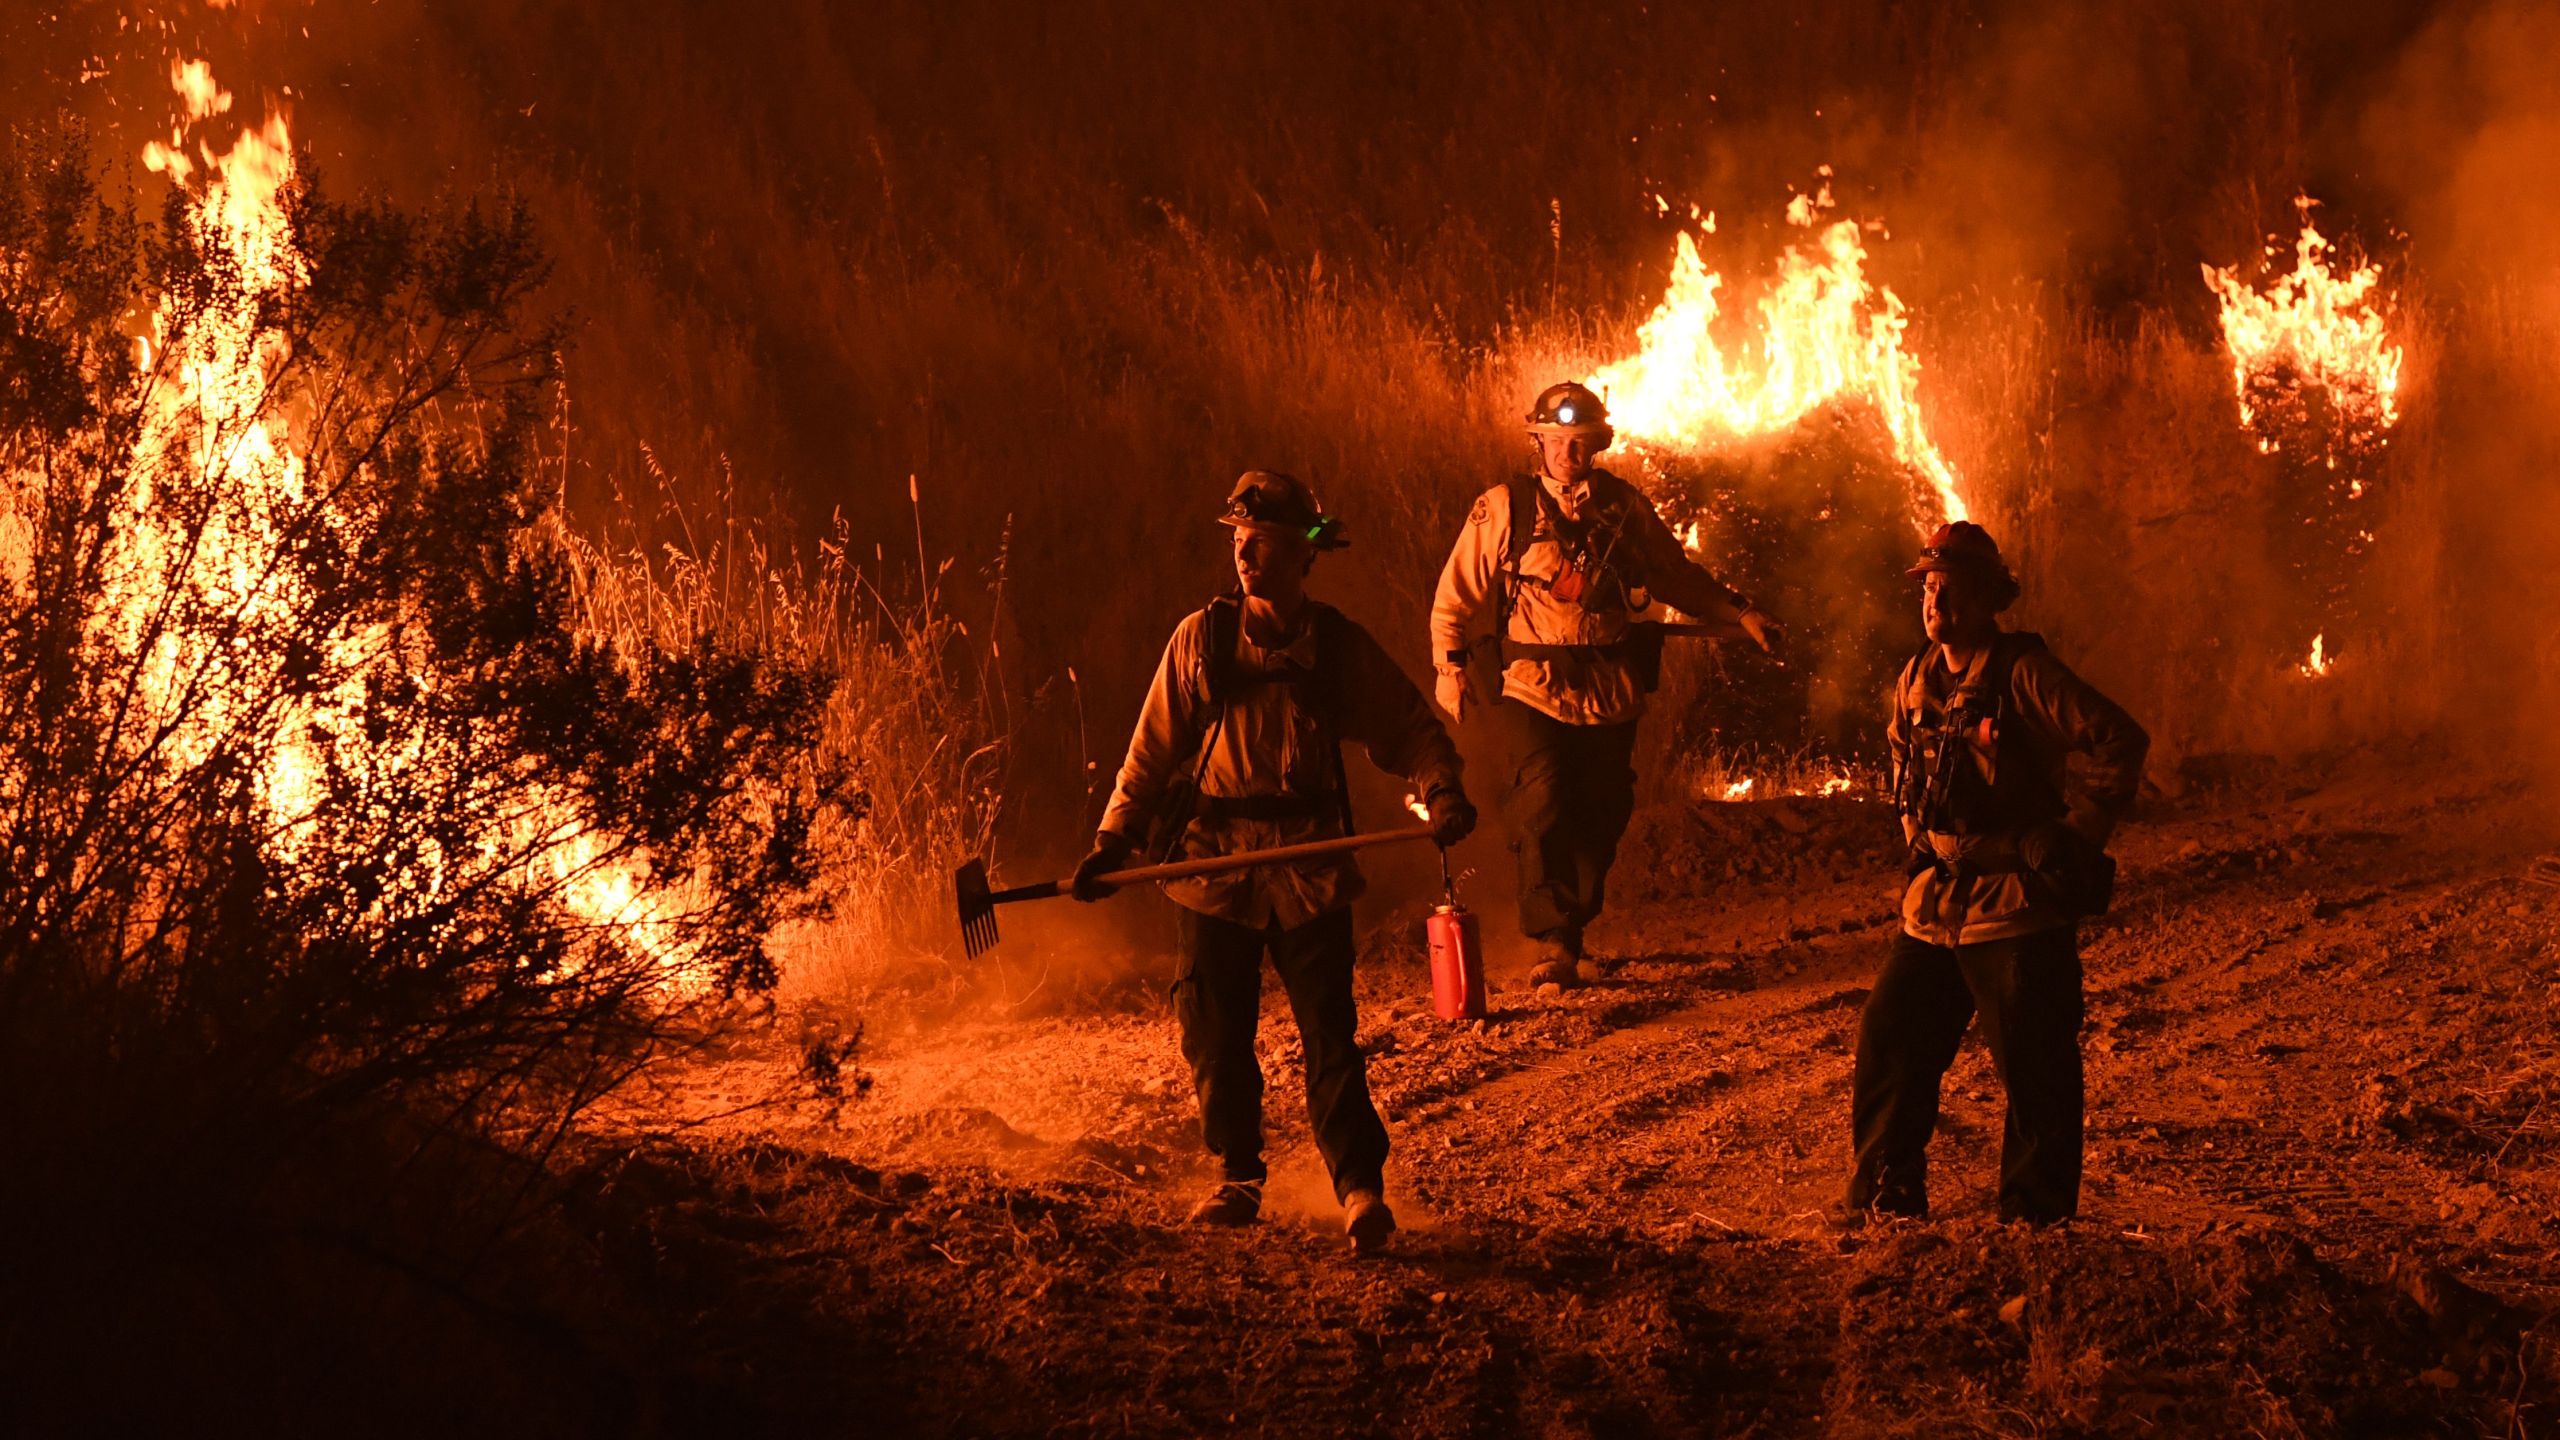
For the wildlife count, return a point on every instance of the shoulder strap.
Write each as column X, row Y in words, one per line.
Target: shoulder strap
column 2001, row 675
column 1222, row 626
column 1906, row 689
column 1521, row 491
column 2006, row 651
column 1333, row 640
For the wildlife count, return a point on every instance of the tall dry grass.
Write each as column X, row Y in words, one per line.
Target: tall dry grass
column 919, row 713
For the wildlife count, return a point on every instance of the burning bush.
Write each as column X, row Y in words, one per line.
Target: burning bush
column 316, row 805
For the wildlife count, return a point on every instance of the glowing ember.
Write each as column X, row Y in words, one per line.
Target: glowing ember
column 2319, row 327
column 1740, row 789
column 1826, row 335
column 1420, row 810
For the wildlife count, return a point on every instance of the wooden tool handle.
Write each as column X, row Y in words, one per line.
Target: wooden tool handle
column 1701, row 630
column 1248, row 859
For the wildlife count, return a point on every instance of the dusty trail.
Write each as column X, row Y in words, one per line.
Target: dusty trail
column 2323, row 1185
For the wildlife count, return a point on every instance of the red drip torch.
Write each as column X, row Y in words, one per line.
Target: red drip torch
column 1457, row 955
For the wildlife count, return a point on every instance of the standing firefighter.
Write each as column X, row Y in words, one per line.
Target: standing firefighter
column 1568, row 560
column 2003, row 864
column 1239, row 748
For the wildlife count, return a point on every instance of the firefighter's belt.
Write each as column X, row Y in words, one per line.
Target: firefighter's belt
column 1267, row 807
column 1998, row 858
column 1530, row 650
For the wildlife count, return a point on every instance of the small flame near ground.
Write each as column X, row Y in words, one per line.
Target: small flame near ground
column 2318, row 662
column 1826, row 334
column 1752, row 787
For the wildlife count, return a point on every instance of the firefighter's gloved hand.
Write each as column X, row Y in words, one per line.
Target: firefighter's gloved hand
column 1110, row 852
column 1765, row 632
column 2074, row 867
column 1453, row 818
column 1454, row 692
column 2047, row 845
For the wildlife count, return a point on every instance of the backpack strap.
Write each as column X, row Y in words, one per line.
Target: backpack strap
column 1222, row 628
column 2011, row 647
column 1520, row 492
column 1908, row 776
column 1322, row 692
column 1331, row 694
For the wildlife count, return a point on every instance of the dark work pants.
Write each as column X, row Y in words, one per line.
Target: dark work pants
column 1218, row 999
column 2028, row 993
column 1573, row 788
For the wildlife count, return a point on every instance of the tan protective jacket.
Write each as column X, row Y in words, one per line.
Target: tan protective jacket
column 1272, row 741
column 1600, row 687
column 1981, row 892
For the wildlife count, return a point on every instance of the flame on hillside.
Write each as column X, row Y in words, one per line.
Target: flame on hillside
column 2316, row 374
column 1826, row 334
column 2322, row 328
column 216, row 427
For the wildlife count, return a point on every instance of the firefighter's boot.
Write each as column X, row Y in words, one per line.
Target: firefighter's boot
column 1367, row 1220
column 1559, row 963
column 1235, row 1202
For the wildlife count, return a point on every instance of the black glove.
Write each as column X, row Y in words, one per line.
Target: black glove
column 2075, row 868
column 2047, row 846
column 1110, row 852
column 1453, row 818
column 1920, row 859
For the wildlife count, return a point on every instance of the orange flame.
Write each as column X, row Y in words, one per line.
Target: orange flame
column 1827, row 334
column 2320, row 326
column 1752, row 786
column 212, row 417
column 2319, row 661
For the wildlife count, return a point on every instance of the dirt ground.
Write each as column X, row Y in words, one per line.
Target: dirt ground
column 2322, row 1199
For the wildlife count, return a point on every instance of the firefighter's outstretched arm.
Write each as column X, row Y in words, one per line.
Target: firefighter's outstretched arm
column 1673, row 575
column 1467, row 584
column 1168, row 732
column 1394, row 724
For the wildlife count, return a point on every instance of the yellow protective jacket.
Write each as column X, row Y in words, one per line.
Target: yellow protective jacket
column 1276, row 735
column 1598, row 685
column 1980, row 891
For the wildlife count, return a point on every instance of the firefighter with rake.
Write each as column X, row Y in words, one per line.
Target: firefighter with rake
column 1239, row 747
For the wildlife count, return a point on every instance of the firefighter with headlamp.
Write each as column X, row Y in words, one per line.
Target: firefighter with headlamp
column 2006, row 856
column 1566, row 560
column 1239, row 747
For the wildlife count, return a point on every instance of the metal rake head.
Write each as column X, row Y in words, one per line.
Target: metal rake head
column 977, row 908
